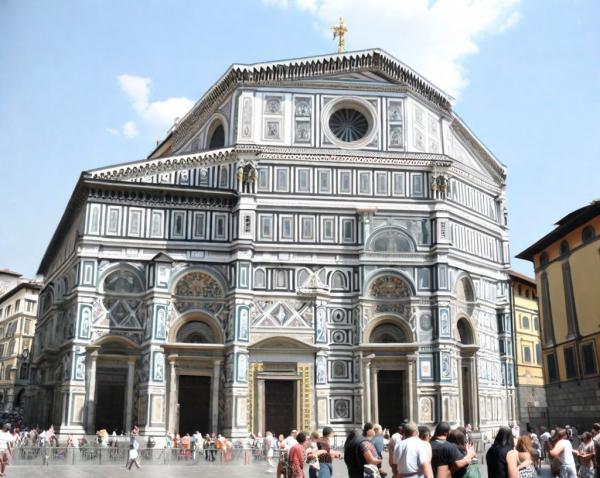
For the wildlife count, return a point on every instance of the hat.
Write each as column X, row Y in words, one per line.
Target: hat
column 327, row 430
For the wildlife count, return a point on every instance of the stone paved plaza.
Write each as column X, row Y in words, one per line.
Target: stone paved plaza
column 201, row 469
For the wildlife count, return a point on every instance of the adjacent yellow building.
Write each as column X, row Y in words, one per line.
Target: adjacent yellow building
column 531, row 395
column 567, row 266
column 18, row 309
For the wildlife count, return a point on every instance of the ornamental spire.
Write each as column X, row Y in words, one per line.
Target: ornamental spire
column 338, row 32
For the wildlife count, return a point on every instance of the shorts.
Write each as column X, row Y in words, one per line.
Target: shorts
column 586, row 472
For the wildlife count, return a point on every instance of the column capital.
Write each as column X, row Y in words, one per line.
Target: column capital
column 172, row 358
column 131, row 360
column 217, row 362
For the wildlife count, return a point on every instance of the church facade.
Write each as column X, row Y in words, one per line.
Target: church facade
column 318, row 241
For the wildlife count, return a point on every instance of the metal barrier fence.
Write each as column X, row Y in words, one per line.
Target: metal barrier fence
column 95, row 455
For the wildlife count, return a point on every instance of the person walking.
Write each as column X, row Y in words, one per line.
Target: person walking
column 379, row 445
column 297, row 455
column 312, row 455
column 458, row 438
column 133, row 458
column 563, row 450
column 395, row 439
column 496, row 456
column 359, row 451
column 445, row 456
column 523, row 459
column 413, row 455
column 596, row 440
column 326, row 459
column 6, row 444
column 586, row 454
column 268, row 445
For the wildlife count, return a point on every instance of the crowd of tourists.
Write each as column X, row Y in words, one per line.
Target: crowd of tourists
column 416, row 452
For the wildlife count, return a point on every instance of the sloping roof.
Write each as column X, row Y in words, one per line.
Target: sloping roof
column 565, row 225
column 23, row 285
column 299, row 69
column 8, row 272
column 521, row 277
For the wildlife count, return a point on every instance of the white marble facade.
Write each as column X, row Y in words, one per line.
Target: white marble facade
column 326, row 221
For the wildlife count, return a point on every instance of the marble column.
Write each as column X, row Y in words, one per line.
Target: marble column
column 214, row 401
column 129, row 397
column 173, row 405
column 91, row 391
column 374, row 395
column 259, row 406
column 367, row 397
column 412, row 388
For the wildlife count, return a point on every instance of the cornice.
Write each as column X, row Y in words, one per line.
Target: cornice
column 148, row 167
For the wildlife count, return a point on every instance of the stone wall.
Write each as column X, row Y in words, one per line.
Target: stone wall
column 533, row 408
column 576, row 402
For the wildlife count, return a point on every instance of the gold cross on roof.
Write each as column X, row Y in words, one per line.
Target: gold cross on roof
column 338, row 32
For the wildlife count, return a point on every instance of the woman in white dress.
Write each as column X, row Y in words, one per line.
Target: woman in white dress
column 133, row 458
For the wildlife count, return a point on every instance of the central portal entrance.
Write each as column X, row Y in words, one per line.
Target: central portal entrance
column 110, row 399
column 390, row 398
column 194, row 404
column 280, row 406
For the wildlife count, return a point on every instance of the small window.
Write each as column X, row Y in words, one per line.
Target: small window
column 551, row 367
column 260, row 279
column 544, row 259
column 287, row 228
column 177, row 226
column 399, row 184
column 266, row 227
column 199, row 225
column 327, row 229
column 364, row 183
column 247, row 224
column 570, row 362
column 525, row 321
column 263, row 179
column 347, row 230
column 220, row 227
column 536, row 323
column 303, row 178
column 224, row 177
column 589, row 359
column 324, row 176
column 18, row 305
column 588, row 234
column 564, row 248
column 527, row 354
column 381, row 183
column 282, row 183
column 307, row 229
column 538, row 354
column 345, row 182
column 281, row 279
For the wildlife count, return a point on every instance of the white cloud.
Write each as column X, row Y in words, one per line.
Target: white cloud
column 155, row 116
column 433, row 37
column 130, row 129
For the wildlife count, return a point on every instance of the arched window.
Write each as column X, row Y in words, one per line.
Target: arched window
column 196, row 332
column 544, row 260
column 216, row 135
column 338, row 281
column 260, row 279
column 536, row 323
column 588, row 234
column 387, row 333
column 525, row 320
column 391, row 241
column 465, row 333
column 564, row 248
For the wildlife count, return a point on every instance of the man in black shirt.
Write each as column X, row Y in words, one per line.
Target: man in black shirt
column 444, row 454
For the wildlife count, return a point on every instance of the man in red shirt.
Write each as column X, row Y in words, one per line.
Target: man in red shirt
column 296, row 455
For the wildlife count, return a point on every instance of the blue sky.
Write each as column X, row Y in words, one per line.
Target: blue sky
column 85, row 84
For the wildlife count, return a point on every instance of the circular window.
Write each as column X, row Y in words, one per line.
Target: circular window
column 348, row 124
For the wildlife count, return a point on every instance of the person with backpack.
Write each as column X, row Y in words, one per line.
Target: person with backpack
column 359, row 451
